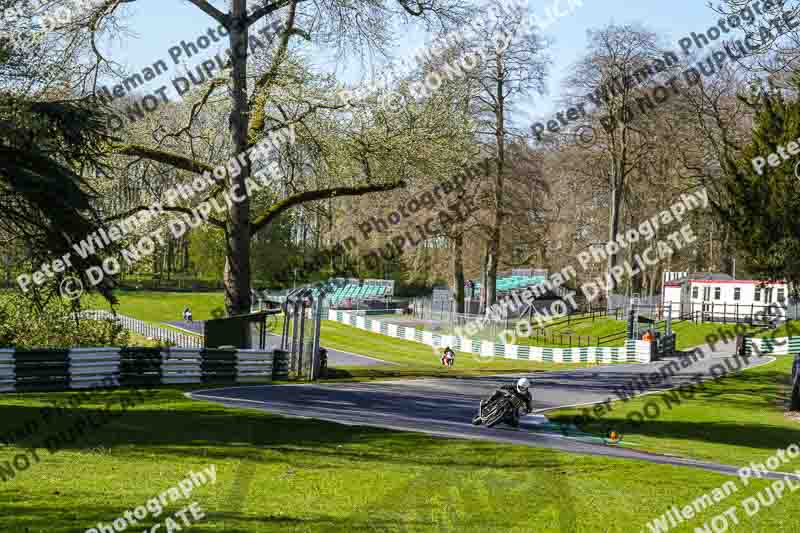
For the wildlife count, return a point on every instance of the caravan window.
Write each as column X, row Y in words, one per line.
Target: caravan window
column 694, row 292
column 781, row 295
column 757, row 297
column 737, row 293
column 717, row 293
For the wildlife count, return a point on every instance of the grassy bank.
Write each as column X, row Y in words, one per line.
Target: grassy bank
column 278, row 474
column 156, row 307
column 416, row 359
column 734, row 420
column 587, row 332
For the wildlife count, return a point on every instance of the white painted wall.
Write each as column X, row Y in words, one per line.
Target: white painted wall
column 723, row 297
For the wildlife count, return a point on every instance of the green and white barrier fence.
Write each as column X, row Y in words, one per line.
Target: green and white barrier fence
column 778, row 346
column 632, row 352
column 767, row 345
column 78, row 368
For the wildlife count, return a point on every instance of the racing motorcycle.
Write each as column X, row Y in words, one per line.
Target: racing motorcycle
column 495, row 410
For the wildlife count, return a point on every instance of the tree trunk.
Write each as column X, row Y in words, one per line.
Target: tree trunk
column 237, row 233
column 493, row 255
column 726, row 252
column 458, row 271
column 653, row 281
column 170, row 257
column 613, row 229
column 482, row 302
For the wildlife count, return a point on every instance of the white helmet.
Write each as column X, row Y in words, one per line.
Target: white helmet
column 523, row 384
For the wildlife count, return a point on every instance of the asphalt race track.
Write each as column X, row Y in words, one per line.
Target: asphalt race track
column 445, row 406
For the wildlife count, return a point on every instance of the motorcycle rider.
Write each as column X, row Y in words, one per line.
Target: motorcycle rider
column 519, row 390
column 448, row 357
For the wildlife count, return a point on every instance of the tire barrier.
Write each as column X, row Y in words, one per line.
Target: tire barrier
column 80, row 368
column 280, row 365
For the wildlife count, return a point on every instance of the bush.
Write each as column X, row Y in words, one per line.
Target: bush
column 23, row 324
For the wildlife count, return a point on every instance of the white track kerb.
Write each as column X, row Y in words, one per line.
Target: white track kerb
column 155, row 507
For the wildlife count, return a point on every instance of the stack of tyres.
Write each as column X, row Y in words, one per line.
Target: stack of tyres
column 140, row 367
column 218, row 365
column 280, row 365
column 42, row 370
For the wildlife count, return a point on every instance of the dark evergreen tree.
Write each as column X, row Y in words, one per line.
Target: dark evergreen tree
column 764, row 207
column 46, row 147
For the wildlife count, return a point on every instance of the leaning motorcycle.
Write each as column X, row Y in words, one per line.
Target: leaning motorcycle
column 494, row 411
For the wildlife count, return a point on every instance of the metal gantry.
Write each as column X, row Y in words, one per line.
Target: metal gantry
column 302, row 342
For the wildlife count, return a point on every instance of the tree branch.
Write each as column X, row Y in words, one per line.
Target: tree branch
column 258, row 101
column 265, row 10
column 173, row 160
column 175, row 209
column 213, row 12
column 407, row 8
column 321, row 194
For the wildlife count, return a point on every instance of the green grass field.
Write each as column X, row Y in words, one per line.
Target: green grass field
column 300, row 475
column 157, row 307
column 280, row 474
column 789, row 329
column 733, row 420
column 689, row 334
column 588, row 332
column 416, row 359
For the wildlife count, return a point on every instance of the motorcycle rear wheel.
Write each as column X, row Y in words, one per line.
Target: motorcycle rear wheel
column 497, row 412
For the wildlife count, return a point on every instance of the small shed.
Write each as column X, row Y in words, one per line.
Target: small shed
column 724, row 297
column 247, row 331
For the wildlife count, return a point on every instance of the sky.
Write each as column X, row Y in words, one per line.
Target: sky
column 158, row 25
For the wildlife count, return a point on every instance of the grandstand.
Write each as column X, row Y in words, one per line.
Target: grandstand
column 514, row 282
column 358, row 292
column 348, row 290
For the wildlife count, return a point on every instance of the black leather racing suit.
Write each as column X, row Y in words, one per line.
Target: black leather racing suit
column 512, row 417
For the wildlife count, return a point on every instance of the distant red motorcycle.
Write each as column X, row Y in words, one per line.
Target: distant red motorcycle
column 448, row 357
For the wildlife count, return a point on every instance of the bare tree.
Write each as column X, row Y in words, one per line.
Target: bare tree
column 617, row 55
column 363, row 25
column 512, row 65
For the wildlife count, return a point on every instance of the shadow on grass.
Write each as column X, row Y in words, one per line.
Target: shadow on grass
column 169, row 427
column 184, row 427
column 727, row 412
column 366, row 373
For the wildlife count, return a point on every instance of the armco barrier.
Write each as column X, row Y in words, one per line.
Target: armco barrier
column 182, row 365
column 89, row 366
column 633, row 351
column 140, row 367
column 7, row 372
column 79, row 368
column 41, row 370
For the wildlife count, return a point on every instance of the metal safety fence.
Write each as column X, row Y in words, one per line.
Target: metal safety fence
column 172, row 337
